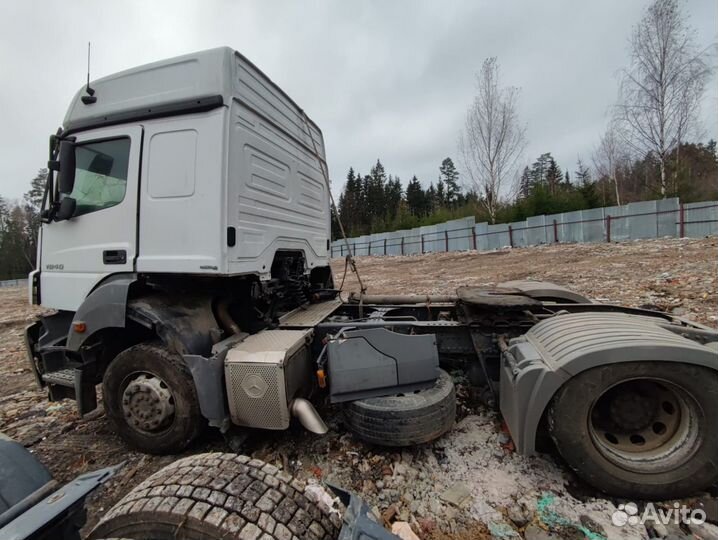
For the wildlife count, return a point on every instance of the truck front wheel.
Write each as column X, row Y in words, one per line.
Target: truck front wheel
column 644, row 430
column 149, row 396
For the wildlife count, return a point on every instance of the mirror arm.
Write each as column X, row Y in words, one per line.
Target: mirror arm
column 50, row 195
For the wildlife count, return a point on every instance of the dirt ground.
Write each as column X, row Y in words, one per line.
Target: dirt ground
column 508, row 495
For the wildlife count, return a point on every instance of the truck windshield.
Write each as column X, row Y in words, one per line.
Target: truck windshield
column 100, row 175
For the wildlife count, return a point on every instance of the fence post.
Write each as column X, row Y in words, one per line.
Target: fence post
column 368, row 251
column 384, row 246
column 608, row 228
column 422, row 244
column 446, row 241
column 511, row 236
column 555, row 231
column 473, row 237
column 682, row 221
column 402, row 245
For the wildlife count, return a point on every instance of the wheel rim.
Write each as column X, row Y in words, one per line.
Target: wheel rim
column 646, row 425
column 147, row 403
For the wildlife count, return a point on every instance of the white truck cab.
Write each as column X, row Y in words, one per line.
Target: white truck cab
column 195, row 165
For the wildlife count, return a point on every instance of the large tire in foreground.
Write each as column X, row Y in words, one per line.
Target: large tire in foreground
column 219, row 496
column 150, row 397
column 405, row 419
column 642, row 430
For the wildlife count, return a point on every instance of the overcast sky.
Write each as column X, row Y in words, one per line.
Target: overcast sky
column 389, row 80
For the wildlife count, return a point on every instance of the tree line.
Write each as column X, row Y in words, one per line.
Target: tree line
column 645, row 153
column 19, row 226
column 378, row 202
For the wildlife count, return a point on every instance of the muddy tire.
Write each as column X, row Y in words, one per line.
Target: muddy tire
column 150, row 397
column 405, row 419
column 643, row 430
column 219, row 496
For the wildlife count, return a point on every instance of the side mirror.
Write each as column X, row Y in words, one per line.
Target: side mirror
column 66, row 175
column 66, row 209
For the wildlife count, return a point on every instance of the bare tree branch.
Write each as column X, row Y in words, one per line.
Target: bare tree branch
column 492, row 140
column 607, row 157
column 660, row 92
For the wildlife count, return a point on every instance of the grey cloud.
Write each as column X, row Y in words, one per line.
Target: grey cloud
column 383, row 79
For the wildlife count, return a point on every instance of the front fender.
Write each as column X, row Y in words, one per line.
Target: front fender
column 104, row 307
column 184, row 322
column 536, row 365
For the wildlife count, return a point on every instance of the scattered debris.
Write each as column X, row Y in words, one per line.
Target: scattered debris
column 468, row 485
column 457, row 494
column 403, row 530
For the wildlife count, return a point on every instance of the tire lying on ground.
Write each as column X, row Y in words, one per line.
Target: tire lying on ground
column 219, row 496
column 642, row 430
column 405, row 419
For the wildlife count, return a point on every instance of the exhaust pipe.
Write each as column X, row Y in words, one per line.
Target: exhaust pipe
column 226, row 319
column 308, row 416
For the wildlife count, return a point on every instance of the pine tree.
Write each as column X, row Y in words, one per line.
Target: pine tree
column 440, row 194
column 525, row 184
column 33, row 197
column 392, row 198
column 349, row 203
column 33, row 202
column 375, row 202
column 15, row 262
column 415, row 198
column 554, row 176
column 539, row 169
column 430, row 196
column 4, row 215
column 712, row 147
column 362, row 213
column 450, row 177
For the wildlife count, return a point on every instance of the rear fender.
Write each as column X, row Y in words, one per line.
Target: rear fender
column 537, row 364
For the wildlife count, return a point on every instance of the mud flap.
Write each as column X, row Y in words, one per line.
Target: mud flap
column 32, row 336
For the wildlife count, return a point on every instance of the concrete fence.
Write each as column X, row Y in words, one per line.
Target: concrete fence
column 633, row 221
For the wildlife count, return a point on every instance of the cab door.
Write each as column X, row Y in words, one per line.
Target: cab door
column 101, row 237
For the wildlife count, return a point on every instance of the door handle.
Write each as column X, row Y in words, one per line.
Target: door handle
column 114, row 256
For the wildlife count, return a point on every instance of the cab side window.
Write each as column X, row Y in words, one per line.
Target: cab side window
column 100, row 175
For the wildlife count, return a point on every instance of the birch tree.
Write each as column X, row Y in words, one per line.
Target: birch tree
column 607, row 157
column 493, row 139
column 662, row 88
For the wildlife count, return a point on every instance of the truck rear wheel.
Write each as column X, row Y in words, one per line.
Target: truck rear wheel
column 405, row 419
column 149, row 396
column 219, row 496
column 644, row 430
